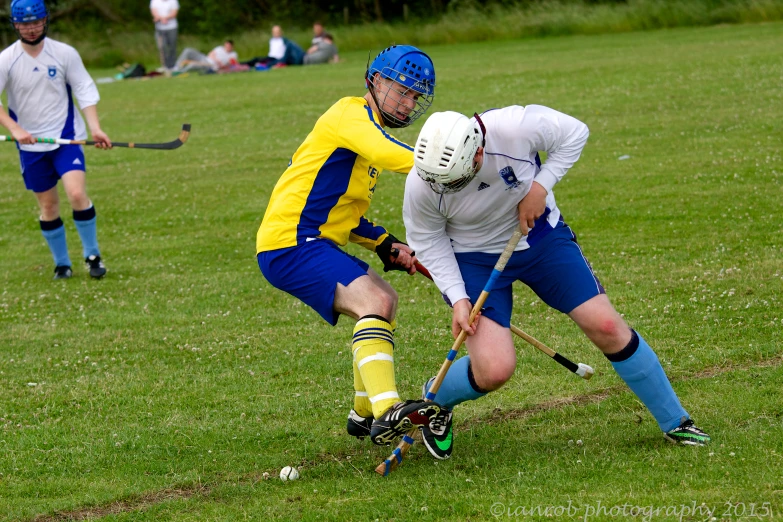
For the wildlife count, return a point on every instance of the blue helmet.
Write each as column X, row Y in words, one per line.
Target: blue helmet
column 27, row 11
column 409, row 67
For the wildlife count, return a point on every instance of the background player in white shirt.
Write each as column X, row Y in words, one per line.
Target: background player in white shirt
column 40, row 76
column 475, row 180
column 218, row 58
column 164, row 14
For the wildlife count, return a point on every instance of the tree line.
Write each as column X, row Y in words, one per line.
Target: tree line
column 210, row 17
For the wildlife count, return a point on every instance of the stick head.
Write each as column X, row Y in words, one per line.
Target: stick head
column 585, row 371
column 184, row 133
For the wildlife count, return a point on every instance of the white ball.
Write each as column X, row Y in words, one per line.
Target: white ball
column 289, row 473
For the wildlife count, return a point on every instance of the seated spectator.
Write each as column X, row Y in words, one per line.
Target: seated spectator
column 282, row 52
column 222, row 56
column 318, row 33
column 322, row 52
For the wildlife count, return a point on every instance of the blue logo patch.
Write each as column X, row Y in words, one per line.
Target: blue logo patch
column 509, row 177
column 52, row 71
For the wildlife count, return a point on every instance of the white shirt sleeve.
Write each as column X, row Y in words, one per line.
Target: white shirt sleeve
column 425, row 229
column 562, row 137
column 82, row 85
column 3, row 74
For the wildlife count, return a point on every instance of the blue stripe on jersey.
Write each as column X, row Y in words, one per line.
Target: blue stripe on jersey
column 538, row 160
column 385, row 134
column 69, row 132
column 330, row 183
column 541, row 228
column 13, row 116
column 14, row 62
column 369, row 230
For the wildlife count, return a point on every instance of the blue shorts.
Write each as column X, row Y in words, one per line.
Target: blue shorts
column 554, row 268
column 310, row 272
column 42, row 170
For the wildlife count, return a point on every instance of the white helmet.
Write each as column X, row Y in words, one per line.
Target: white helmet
column 445, row 150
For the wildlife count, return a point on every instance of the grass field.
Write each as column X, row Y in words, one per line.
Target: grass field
column 168, row 389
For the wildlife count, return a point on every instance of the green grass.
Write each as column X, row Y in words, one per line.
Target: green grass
column 166, row 390
column 463, row 22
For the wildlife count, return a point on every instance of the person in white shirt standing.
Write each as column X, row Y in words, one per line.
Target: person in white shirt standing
column 474, row 181
column 41, row 77
column 164, row 14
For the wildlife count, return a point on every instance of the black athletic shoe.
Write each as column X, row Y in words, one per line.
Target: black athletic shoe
column 401, row 418
column 95, row 266
column 62, row 272
column 359, row 426
column 438, row 436
column 688, row 434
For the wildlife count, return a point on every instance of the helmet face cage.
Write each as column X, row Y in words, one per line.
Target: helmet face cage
column 445, row 151
column 413, row 74
column 453, row 186
column 420, row 105
column 26, row 11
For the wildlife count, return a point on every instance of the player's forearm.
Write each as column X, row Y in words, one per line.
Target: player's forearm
column 91, row 115
column 8, row 122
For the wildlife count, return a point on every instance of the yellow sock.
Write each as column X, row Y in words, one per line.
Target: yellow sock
column 373, row 346
column 361, row 401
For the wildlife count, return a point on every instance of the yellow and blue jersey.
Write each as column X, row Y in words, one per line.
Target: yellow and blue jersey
column 330, row 181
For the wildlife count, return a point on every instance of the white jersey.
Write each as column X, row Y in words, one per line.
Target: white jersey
column 165, row 8
column 219, row 57
column 277, row 48
column 483, row 215
column 41, row 91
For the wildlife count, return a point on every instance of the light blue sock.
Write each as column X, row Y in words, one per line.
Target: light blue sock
column 88, row 232
column 456, row 387
column 641, row 370
column 54, row 233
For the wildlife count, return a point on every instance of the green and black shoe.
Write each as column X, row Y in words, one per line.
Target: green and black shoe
column 688, row 434
column 359, row 426
column 438, row 436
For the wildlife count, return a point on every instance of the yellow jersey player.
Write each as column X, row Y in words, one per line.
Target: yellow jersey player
column 318, row 205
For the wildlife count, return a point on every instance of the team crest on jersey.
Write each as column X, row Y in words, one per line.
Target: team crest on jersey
column 52, row 71
column 509, row 177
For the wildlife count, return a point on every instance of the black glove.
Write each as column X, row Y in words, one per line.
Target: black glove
column 388, row 254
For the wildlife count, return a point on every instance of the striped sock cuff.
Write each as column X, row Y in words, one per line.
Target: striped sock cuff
column 372, row 328
column 84, row 215
column 51, row 225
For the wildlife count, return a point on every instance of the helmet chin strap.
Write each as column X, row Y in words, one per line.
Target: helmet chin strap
column 33, row 42
column 483, row 129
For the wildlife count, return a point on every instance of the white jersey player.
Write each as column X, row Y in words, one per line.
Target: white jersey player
column 474, row 181
column 42, row 77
